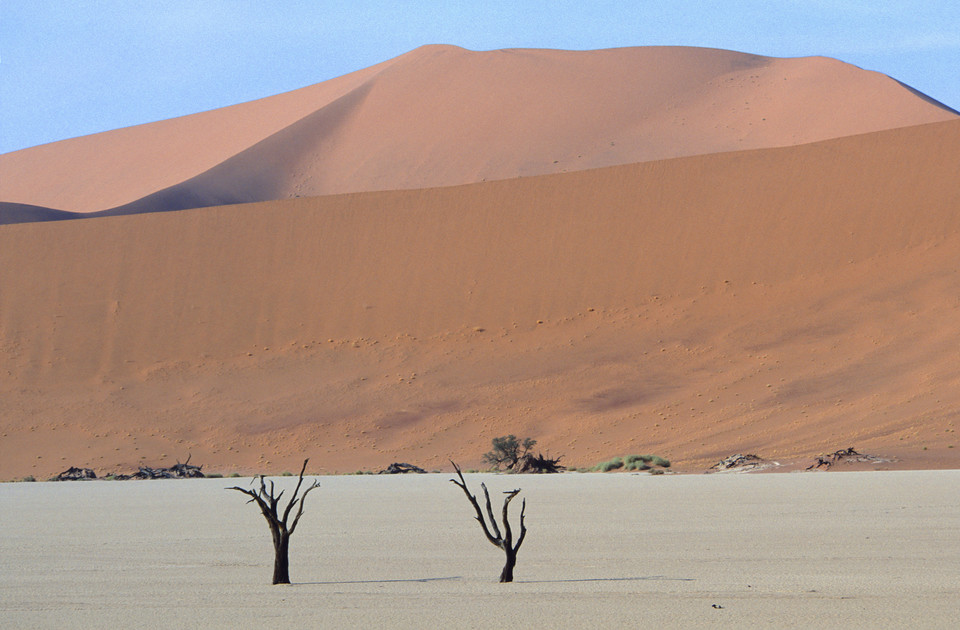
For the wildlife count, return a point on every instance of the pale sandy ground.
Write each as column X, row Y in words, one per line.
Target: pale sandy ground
column 850, row 549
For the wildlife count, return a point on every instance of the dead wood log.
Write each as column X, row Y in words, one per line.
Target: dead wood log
column 844, row 454
column 531, row 463
column 398, row 468
column 177, row 471
column 738, row 461
column 75, row 474
column 185, row 470
column 503, row 541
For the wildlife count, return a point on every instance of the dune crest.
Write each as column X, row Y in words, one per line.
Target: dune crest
column 441, row 116
column 103, row 170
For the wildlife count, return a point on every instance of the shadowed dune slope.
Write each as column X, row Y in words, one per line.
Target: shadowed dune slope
column 441, row 115
column 809, row 293
column 102, row 170
column 26, row 213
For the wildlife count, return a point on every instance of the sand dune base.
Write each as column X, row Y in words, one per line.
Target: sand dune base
column 853, row 550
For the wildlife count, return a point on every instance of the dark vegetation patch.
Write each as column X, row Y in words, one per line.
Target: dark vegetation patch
column 631, row 462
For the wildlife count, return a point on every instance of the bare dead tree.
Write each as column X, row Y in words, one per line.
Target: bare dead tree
column 503, row 541
column 531, row 463
column 281, row 532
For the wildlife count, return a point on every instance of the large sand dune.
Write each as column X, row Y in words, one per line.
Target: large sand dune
column 787, row 301
column 102, row 170
column 441, row 115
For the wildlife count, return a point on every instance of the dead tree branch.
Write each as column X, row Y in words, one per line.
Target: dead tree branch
column 280, row 531
column 503, row 541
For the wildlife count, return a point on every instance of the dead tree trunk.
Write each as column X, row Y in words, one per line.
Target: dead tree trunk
column 279, row 530
column 503, row 541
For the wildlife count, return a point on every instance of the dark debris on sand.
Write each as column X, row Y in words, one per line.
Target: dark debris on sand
column 844, row 455
column 739, row 462
column 399, row 468
column 177, row 471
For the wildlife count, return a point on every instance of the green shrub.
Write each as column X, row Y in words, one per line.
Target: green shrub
column 233, row 475
column 659, row 461
column 607, row 466
column 645, row 462
column 630, row 462
column 636, row 462
column 214, row 476
column 29, row 478
column 508, row 451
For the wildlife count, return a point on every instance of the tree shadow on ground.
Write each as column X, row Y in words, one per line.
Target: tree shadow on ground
column 409, row 580
column 658, row 578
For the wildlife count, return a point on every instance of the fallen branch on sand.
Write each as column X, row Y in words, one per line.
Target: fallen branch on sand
column 741, row 463
column 531, row 463
column 177, row 471
column 75, row 474
column 399, row 468
column 844, row 455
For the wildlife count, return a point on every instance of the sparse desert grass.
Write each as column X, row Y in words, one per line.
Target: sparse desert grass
column 644, row 462
column 607, row 466
column 631, row 462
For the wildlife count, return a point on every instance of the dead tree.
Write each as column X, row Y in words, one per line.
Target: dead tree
column 531, row 463
column 75, row 474
column 399, row 468
column 503, row 541
column 279, row 529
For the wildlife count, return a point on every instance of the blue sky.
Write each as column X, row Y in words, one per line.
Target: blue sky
column 74, row 67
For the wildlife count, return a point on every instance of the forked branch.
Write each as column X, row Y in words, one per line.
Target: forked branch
column 280, row 530
column 505, row 540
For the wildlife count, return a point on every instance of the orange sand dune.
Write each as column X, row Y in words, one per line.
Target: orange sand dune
column 441, row 116
column 107, row 169
column 784, row 301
